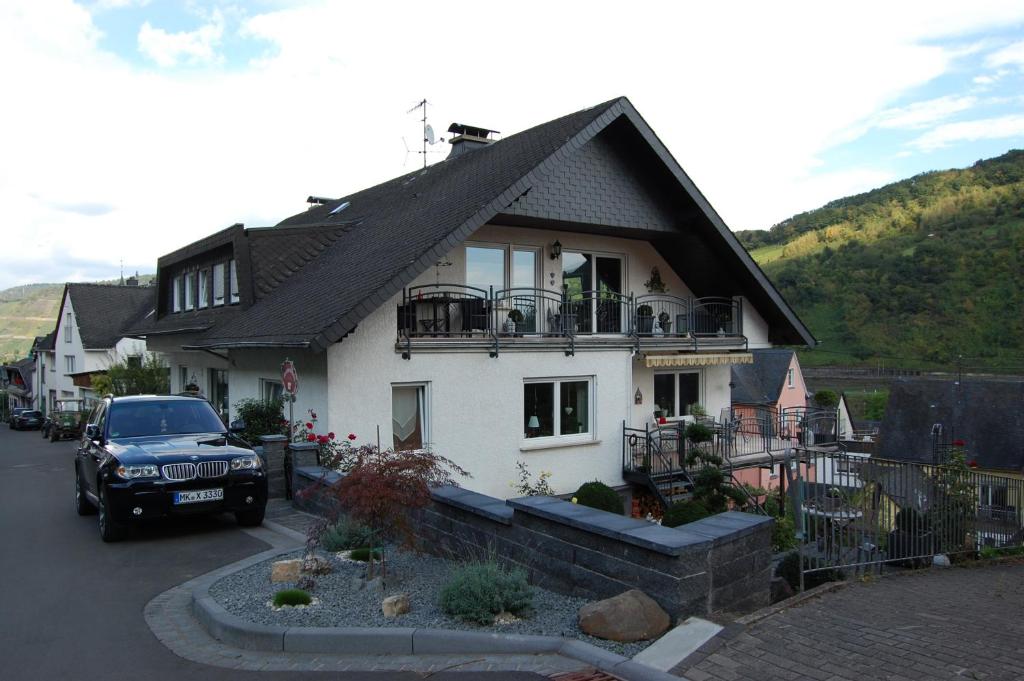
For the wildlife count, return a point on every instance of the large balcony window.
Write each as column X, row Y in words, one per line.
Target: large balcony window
column 557, row 408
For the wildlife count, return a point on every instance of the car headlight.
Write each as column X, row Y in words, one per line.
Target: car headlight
column 245, row 463
column 133, row 472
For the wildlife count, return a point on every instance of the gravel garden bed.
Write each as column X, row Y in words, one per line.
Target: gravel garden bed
column 343, row 604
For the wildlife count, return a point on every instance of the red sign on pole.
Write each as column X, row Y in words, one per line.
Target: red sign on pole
column 289, row 377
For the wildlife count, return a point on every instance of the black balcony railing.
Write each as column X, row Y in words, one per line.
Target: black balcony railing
column 460, row 311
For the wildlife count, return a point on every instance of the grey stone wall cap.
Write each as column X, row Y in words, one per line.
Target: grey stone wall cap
column 273, row 438
column 640, row 533
column 302, row 446
column 317, row 473
column 473, row 502
column 728, row 526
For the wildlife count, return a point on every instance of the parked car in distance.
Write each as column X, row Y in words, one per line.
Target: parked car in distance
column 68, row 419
column 147, row 456
column 13, row 416
column 28, row 420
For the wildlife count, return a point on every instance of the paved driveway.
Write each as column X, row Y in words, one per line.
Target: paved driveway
column 960, row 623
column 71, row 607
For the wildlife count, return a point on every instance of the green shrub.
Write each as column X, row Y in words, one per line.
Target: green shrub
column 698, row 433
column 683, row 512
column 826, row 399
column 291, row 597
column 789, row 569
column 363, row 554
column 600, row 496
column 346, row 534
column 261, row 418
column 477, row 592
column 783, row 534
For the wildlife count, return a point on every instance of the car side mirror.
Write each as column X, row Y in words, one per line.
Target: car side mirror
column 237, row 426
column 92, row 431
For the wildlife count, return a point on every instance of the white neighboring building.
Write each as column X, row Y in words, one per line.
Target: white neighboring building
column 89, row 337
column 395, row 303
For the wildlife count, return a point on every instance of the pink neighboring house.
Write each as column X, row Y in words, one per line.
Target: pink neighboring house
column 773, row 382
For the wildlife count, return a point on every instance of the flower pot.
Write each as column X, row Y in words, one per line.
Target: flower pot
column 644, row 323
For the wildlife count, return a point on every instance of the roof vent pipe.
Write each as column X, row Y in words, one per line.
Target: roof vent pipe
column 467, row 138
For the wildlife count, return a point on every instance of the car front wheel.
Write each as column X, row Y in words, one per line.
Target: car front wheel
column 110, row 531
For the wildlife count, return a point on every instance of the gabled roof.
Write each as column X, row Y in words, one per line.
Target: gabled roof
column 45, row 343
column 103, row 311
column 762, row 381
column 987, row 415
column 389, row 234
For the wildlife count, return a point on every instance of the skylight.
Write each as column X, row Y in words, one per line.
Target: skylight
column 340, row 207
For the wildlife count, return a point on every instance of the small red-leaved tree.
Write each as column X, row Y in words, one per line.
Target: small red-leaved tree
column 383, row 488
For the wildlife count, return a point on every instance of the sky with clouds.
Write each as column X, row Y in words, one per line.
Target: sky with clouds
column 133, row 127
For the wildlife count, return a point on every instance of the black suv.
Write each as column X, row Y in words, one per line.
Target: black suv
column 147, row 456
column 28, row 420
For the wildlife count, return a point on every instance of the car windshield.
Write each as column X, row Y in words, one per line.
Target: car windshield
column 173, row 417
column 32, row 414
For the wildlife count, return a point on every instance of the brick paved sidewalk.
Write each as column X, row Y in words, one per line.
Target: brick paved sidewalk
column 959, row 623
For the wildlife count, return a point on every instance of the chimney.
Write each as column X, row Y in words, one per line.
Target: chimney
column 467, row 138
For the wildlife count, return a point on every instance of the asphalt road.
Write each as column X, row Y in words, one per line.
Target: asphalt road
column 72, row 606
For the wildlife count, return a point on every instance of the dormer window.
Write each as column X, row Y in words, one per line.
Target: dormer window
column 190, row 291
column 218, row 284
column 177, row 284
column 204, row 289
column 234, row 281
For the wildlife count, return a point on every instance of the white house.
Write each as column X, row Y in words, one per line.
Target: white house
column 88, row 338
column 529, row 299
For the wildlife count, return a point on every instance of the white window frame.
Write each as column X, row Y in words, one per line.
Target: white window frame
column 190, row 289
column 790, row 377
column 203, row 288
column 222, row 281
column 69, row 327
column 265, row 388
column 508, row 248
column 69, row 364
column 176, row 296
column 566, row 438
column 623, row 280
column 675, row 387
column 234, row 298
column 427, row 410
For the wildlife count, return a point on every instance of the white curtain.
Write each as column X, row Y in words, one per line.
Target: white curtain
column 406, row 408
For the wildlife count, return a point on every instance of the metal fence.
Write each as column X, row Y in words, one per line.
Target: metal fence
column 856, row 513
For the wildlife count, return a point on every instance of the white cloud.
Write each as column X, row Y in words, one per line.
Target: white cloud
column 1001, row 127
column 191, row 47
column 103, row 5
column 923, row 114
column 749, row 107
column 1011, row 55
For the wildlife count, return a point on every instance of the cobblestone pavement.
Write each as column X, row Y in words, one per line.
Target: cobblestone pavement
column 959, row 623
column 280, row 511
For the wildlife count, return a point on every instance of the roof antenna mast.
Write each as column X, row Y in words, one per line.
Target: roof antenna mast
column 428, row 133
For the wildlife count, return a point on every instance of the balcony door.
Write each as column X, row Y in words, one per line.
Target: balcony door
column 594, row 283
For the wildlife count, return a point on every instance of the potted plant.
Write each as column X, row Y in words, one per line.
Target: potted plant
column 644, row 319
column 515, row 317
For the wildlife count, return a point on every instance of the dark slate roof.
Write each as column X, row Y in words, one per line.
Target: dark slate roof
column 987, row 415
column 762, row 381
column 341, row 266
column 104, row 311
column 45, row 342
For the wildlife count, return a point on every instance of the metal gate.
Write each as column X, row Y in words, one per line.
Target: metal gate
column 855, row 513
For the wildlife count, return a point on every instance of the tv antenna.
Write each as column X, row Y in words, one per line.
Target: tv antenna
column 428, row 134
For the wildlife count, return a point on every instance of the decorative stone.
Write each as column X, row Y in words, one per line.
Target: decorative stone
column 396, row 605
column 375, row 583
column 315, row 565
column 630, row 616
column 285, row 570
column 940, row 560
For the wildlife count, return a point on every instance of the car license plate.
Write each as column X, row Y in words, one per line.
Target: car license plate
column 198, row 495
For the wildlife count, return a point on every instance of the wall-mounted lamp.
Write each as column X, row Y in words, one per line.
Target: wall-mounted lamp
column 638, row 398
column 556, row 250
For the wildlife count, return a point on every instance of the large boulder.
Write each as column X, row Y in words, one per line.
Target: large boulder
column 396, row 605
column 630, row 616
column 285, row 570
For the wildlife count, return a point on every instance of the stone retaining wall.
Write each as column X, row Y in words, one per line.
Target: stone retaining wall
column 722, row 563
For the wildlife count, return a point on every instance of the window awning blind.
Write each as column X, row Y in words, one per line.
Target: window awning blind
column 719, row 359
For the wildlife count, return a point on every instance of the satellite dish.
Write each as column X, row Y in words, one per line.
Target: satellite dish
column 428, row 132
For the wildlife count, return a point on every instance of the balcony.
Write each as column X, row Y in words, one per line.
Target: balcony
column 459, row 317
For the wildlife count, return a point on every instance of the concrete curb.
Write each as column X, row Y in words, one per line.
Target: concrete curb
column 234, row 631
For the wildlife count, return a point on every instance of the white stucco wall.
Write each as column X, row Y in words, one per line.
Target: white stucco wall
column 755, row 328
column 62, row 348
column 476, row 412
